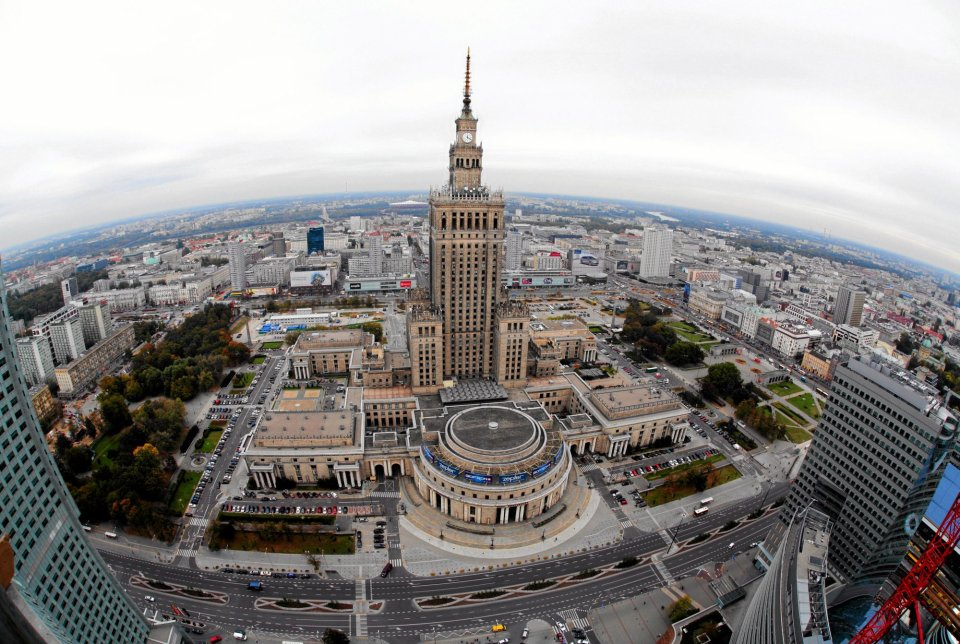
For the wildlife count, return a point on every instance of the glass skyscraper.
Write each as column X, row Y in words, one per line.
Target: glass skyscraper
column 314, row 240
column 60, row 584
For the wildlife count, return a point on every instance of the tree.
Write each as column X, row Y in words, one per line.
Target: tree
column 78, row 459
column 375, row 328
column 681, row 608
column 132, row 390
column 333, row 636
column 914, row 362
column 906, row 344
column 722, row 380
column 115, row 413
column 683, row 353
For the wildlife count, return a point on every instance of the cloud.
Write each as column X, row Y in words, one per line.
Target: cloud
column 838, row 117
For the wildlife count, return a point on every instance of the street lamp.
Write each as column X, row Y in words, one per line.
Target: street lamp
column 673, row 535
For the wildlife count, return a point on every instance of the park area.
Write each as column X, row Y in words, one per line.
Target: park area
column 689, row 332
column 102, row 448
column 243, row 380
column 184, row 491
column 785, row 388
column 271, row 345
column 673, row 489
column 806, row 404
column 258, row 359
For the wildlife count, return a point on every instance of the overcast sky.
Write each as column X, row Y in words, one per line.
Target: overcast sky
column 842, row 116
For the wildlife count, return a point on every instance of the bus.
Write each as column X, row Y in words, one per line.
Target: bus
column 706, row 501
column 825, row 394
column 651, row 369
column 699, row 512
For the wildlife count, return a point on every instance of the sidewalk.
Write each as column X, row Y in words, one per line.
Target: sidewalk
column 643, row 618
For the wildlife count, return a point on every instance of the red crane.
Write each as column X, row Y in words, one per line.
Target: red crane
column 907, row 593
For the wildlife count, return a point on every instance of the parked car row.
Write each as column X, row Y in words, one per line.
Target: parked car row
column 680, row 460
column 285, row 509
column 264, row 573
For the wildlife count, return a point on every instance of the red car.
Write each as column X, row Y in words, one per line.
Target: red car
column 634, row 472
column 623, row 501
column 215, row 639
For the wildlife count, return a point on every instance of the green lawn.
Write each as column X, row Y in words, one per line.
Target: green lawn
column 102, row 446
column 210, row 442
column 797, row 434
column 784, row 388
column 237, row 326
column 184, row 491
column 667, row 493
column 258, row 359
column 272, row 344
column 805, row 404
column 243, row 380
column 689, row 333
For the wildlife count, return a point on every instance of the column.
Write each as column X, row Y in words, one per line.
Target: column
column 272, row 479
column 403, row 470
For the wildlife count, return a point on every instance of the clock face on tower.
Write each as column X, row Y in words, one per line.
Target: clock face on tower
column 467, row 137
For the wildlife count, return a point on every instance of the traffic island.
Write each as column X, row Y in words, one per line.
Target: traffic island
column 520, row 590
column 179, row 591
column 303, row 605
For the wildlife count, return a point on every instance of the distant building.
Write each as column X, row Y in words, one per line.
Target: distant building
column 67, row 340
column 657, row 250
column 43, row 403
column 85, row 370
column 818, row 365
column 848, row 309
column 514, row 244
column 854, row 338
column 69, row 289
column 35, row 358
column 315, row 241
column 238, row 266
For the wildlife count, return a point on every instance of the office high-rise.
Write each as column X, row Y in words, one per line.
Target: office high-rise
column 657, row 251
column 848, row 309
column 876, row 457
column 790, row 604
column 514, row 249
column 314, row 240
column 238, row 266
column 59, row 583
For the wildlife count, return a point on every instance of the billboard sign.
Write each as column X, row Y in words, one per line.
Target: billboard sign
column 541, row 469
column 311, row 278
column 427, row 454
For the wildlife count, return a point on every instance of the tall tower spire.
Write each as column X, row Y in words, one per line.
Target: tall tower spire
column 466, row 86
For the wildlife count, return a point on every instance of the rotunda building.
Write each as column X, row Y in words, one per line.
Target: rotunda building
column 492, row 464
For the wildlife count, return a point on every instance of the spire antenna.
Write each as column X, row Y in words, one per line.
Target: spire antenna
column 466, row 86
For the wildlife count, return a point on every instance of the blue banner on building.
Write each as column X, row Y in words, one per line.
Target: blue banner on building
column 427, row 454
column 483, row 479
column 446, row 467
column 558, row 455
column 506, row 479
column 541, row 470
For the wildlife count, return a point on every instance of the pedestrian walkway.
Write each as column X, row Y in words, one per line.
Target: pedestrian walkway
column 199, row 522
column 189, row 553
column 626, row 523
column 664, row 572
column 396, row 562
column 572, row 617
column 380, row 494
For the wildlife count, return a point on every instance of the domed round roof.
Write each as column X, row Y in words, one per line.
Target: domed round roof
column 492, row 430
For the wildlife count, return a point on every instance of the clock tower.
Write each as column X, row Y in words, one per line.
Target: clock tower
column 466, row 155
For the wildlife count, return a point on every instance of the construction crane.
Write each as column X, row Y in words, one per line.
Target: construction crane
column 908, row 593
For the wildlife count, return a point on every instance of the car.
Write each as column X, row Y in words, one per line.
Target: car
column 386, row 569
column 498, row 628
column 732, row 544
column 149, row 598
column 623, row 501
column 215, row 639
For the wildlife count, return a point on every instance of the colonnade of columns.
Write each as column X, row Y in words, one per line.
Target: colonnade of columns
column 618, row 448
column 348, row 478
column 265, row 480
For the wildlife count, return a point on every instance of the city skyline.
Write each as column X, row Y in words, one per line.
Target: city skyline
column 788, row 118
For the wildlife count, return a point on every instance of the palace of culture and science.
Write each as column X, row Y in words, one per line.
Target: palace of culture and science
column 477, row 417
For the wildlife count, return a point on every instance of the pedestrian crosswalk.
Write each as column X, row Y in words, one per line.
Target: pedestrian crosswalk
column 396, row 562
column 380, row 494
column 663, row 570
column 588, row 467
column 361, row 631
column 199, row 522
column 572, row 617
column 626, row 523
column 186, row 552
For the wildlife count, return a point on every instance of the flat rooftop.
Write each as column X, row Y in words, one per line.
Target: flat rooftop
column 329, row 339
